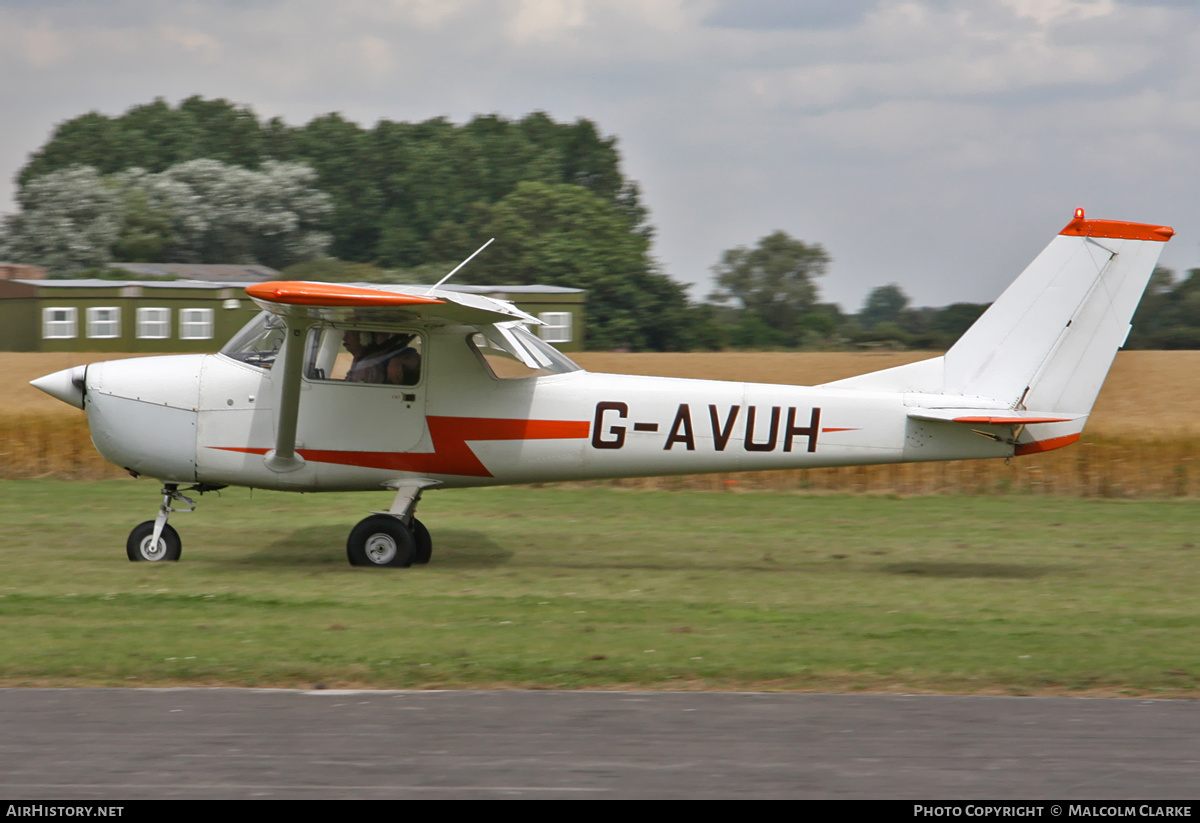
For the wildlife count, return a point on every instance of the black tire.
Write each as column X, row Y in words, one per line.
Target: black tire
column 138, row 548
column 380, row 540
column 424, row 543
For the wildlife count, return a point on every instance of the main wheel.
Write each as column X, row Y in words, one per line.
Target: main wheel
column 380, row 540
column 139, row 547
column 424, row 543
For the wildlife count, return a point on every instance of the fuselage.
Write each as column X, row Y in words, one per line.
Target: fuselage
column 212, row 419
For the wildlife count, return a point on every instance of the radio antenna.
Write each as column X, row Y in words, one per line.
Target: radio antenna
column 433, row 288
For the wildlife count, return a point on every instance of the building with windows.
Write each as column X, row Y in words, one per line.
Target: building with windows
column 198, row 316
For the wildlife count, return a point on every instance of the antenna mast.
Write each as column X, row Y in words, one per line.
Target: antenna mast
column 433, row 288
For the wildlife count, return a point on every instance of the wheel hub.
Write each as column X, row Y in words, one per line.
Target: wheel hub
column 151, row 550
column 381, row 549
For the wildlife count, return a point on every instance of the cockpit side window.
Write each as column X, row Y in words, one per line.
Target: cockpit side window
column 351, row 355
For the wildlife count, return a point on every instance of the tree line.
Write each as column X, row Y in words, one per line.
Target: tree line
column 208, row 181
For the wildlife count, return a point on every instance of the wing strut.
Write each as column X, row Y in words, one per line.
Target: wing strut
column 283, row 457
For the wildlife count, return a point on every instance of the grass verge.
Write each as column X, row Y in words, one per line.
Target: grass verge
column 600, row 587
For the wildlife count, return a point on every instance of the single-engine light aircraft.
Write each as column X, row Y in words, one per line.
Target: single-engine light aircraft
column 336, row 387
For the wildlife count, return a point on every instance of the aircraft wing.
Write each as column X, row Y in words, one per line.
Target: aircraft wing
column 381, row 304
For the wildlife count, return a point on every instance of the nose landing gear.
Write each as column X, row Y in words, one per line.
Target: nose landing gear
column 155, row 540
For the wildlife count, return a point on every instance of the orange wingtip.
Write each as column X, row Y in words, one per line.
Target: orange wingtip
column 300, row 293
column 1082, row 227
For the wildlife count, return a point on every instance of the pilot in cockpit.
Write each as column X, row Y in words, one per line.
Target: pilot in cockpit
column 382, row 358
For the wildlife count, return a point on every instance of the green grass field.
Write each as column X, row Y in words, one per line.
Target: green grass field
column 597, row 587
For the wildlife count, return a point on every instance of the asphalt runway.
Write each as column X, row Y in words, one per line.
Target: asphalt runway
column 128, row 744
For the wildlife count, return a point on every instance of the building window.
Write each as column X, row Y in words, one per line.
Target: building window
column 104, row 321
column 195, row 324
column 557, row 328
column 153, row 324
column 59, row 322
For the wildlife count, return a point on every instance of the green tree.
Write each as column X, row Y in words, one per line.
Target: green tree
column 1169, row 315
column 955, row 319
column 407, row 196
column 885, row 304
column 393, row 187
column 775, row 281
column 201, row 211
column 146, row 232
column 564, row 235
column 69, row 221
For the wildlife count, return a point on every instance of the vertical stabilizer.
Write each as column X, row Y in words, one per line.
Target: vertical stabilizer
column 1048, row 341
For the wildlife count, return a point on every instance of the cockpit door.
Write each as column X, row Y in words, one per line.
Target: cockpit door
column 363, row 390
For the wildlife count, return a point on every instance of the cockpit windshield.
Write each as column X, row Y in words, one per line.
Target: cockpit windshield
column 259, row 341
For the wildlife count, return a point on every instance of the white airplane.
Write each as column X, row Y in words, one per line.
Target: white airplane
column 347, row 388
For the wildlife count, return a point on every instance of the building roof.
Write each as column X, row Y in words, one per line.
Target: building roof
column 248, row 273
column 94, row 283
column 511, row 289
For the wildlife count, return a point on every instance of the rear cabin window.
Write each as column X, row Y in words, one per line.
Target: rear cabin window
column 510, row 352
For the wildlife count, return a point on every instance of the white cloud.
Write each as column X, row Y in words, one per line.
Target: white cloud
column 1050, row 11
column 43, row 48
column 376, row 55
column 203, row 45
column 546, row 20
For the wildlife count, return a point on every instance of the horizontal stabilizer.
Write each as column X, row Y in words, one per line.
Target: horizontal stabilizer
column 992, row 417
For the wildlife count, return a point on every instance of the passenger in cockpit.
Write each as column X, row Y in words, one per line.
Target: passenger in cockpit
column 404, row 368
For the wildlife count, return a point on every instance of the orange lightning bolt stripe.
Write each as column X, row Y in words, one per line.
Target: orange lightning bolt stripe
column 451, row 454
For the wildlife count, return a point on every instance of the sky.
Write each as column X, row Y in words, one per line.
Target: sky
column 934, row 144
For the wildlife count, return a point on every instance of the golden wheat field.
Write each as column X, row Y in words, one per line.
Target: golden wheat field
column 1143, row 438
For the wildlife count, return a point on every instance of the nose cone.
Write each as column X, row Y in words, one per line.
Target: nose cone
column 66, row 385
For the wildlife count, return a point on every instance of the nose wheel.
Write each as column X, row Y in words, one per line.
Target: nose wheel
column 142, row 545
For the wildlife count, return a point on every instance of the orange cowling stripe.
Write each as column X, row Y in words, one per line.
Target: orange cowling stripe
column 300, row 293
column 1117, row 230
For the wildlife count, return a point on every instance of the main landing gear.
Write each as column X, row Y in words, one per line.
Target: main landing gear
column 392, row 538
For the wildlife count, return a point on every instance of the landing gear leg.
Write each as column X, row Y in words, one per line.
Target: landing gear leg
column 155, row 539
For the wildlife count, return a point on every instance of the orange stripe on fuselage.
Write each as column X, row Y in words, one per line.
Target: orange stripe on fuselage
column 451, row 454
